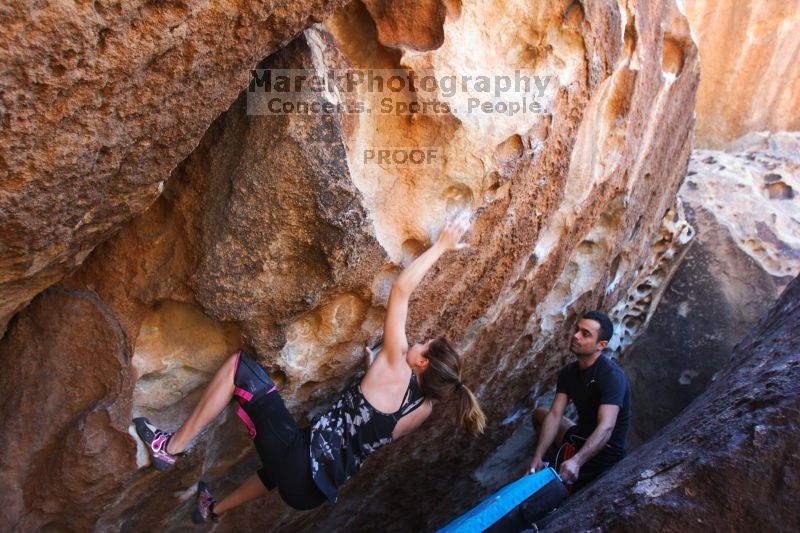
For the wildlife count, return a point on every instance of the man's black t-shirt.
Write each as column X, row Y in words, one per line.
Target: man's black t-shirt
column 603, row 383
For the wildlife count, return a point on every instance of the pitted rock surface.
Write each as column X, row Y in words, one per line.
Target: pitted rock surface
column 753, row 189
column 275, row 228
column 743, row 256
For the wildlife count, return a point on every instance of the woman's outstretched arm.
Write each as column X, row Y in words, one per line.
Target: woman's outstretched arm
column 394, row 328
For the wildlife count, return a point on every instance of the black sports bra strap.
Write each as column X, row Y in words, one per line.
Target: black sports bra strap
column 399, row 412
column 410, row 407
column 412, row 404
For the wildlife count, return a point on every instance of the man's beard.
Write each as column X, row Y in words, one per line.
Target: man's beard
column 578, row 354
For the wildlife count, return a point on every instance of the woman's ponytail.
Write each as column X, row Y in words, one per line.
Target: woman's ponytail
column 443, row 378
column 470, row 414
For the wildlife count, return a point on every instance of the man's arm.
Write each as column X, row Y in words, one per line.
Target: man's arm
column 549, row 429
column 606, row 420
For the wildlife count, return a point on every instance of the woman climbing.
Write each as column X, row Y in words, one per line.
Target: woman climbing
column 308, row 465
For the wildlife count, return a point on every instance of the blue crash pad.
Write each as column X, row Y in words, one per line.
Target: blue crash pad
column 499, row 504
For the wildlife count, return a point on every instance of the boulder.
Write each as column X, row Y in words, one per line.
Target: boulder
column 101, row 100
column 64, row 413
column 279, row 229
column 749, row 57
column 745, row 252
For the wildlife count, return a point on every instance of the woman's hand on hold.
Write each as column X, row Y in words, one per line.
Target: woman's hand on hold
column 368, row 357
column 453, row 231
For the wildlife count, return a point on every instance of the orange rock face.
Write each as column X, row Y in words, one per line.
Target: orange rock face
column 282, row 233
column 101, row 100
column 750, row 57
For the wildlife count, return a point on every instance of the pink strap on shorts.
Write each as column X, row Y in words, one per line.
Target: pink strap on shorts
column 244, row 397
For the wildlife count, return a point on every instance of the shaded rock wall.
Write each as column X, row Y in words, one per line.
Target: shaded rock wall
column 101, row 100
column 749, row 52
column 260, row 226
column 746, row 251
column 64, row 413
column 276, row 231
column 730, row 461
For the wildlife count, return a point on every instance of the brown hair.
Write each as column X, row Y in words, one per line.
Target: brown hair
column 443, row 378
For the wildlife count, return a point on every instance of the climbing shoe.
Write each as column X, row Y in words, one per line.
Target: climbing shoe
column 204, row 505
column 156, row 441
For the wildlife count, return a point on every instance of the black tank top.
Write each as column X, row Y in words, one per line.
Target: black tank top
column 350, row 431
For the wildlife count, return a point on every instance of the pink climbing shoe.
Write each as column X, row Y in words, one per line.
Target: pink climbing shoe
column 156, row 441
column 204, row 505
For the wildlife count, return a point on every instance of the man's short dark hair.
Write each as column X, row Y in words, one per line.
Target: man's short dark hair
column 606, row 327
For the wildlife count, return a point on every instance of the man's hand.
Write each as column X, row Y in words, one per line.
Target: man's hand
column 569, row 471
column 535, row 466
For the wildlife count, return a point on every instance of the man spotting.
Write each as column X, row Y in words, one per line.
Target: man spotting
column 601, row 393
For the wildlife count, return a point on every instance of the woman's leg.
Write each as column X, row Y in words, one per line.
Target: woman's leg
column 216, row 397
column 251, row 489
